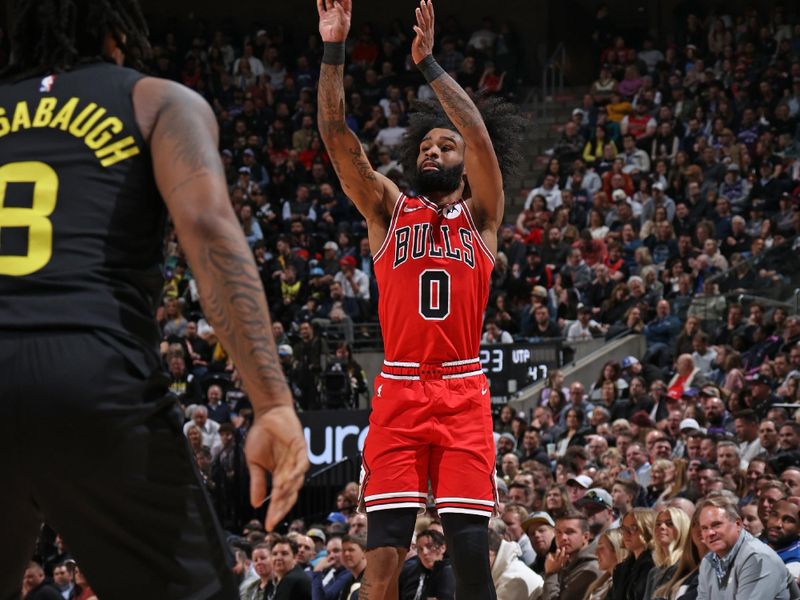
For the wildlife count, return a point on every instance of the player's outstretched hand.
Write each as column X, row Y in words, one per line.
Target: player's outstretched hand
column 334, row 19
column 275, row 443
column 422, row 45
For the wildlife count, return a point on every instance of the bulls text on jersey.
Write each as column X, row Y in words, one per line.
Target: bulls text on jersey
column 418, row 241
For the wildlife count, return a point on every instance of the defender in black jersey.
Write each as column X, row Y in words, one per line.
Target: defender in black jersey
column 89, row 442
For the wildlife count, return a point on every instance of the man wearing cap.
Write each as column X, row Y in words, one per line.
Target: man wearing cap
column 585, row 328
column 320, row 540
column 598, row 507
column 761, row 393
column 540, row 529
column 577, row 487
column 354, row 281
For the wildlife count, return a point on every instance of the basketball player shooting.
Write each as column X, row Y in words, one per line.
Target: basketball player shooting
column 434, row 254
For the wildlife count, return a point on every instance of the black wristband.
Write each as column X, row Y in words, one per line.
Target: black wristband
column 333, row 53
column 430, row 68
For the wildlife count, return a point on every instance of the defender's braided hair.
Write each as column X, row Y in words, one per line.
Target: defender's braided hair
column 56, row 35
column 504, row 124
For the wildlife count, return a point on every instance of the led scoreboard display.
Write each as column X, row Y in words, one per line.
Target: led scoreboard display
column 511, row 367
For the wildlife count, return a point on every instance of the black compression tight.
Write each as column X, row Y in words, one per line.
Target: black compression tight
column 468, row 546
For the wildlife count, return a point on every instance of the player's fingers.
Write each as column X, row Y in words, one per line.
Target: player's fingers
column 286, row 485
column 328, row 4
column 423, row 13
column 347, row 5
column 278, row 507
column 321, row 7
column 258, row 485
column 430, row 9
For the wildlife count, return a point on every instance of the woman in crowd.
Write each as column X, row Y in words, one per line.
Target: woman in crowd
column 671, row 531
column 750, row 519
column 630, row 576
column 504, row 418
column 683, row 583
column 610, row 553
column 574, row 435
column 556, row 501
column 658, row 483
column 611, row 372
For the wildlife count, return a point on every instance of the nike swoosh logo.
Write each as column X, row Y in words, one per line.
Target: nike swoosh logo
column 483, row 391
column 407, row 209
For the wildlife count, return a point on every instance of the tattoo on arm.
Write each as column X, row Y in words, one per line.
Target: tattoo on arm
column 361, row 163
column 458, row 106
column 230, row 287
column 330, row 111
column 190, row 151
column 235, row 304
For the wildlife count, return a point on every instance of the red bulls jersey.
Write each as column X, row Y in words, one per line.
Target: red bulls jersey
column 433, row 272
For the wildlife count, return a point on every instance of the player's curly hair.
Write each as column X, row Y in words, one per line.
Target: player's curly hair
column 503, row 122
column 56, row 35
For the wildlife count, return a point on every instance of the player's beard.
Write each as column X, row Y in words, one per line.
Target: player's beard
column 442, row 181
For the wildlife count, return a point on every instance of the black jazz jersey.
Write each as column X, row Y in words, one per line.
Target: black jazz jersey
column 81, row 221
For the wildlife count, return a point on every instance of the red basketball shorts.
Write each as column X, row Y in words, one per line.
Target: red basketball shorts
column 430, row 429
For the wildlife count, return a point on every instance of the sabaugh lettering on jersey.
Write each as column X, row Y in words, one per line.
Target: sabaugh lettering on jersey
column 102, row 133
column 417, row 241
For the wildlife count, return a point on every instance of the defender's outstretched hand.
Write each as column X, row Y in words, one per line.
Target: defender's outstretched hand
column 275, row 443
column 422, row 45
column 334, row 19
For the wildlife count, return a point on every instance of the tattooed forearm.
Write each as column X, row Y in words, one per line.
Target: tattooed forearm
column 347, row 156
column 458, row 106
column 235, row 304
column 330, row 110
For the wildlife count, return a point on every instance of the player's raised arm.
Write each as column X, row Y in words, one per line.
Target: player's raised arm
column 190, row 177
column 480, row 161
column 371, row 192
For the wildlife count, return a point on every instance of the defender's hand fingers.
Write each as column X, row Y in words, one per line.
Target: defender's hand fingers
column 258, row 486
column 287, row 481
column 321, row 7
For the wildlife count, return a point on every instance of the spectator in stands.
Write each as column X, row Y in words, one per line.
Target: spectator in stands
column 208, row 428
column 512, row 579
column 291, row 582
column 330, row 576
column 261, row 586
column 34, row 585
column 310, row 354
column 730, row 558
column 428, row 571
column 630, row 576
column 783, row 534
column 571, row 569
column 514, row 515
column 671, row 530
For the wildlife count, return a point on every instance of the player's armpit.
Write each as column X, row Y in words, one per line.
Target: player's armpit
column 371, row 192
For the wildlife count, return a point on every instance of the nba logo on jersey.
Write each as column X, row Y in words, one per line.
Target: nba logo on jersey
column 46, row 84
column 452, row 212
